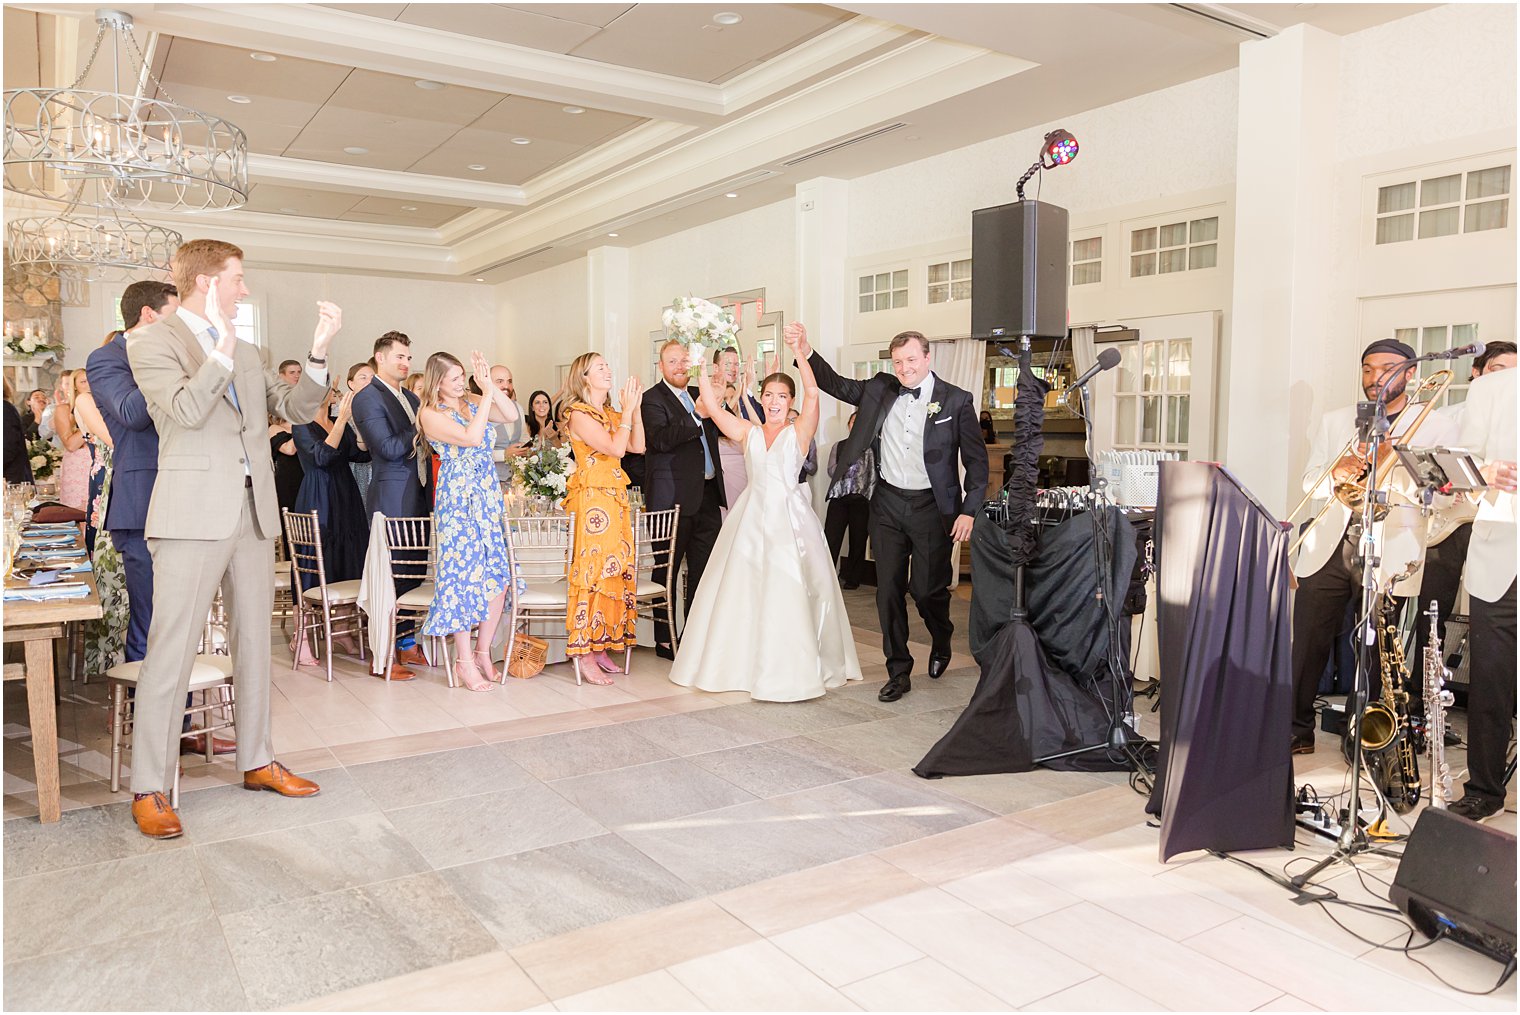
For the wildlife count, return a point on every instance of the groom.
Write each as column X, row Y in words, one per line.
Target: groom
column 919, row 426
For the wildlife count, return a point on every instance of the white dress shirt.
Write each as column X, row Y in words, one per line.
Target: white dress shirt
column 1488, row 431
column 902, row 439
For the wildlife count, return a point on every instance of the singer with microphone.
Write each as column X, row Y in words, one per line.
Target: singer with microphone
column 1329, row 564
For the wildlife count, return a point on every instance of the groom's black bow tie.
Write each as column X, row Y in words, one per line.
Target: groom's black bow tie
column 913, row 392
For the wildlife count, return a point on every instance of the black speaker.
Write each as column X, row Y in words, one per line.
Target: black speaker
column 1457, row 878
column 1019, row 257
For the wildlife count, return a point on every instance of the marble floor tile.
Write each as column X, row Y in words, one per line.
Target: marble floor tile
column 877, row 811
column 896, row 744
column 825, row 713
column 538, row 726
column 85, row 836
column 103, row 902
column 442, row 775
column 607, row 953
column 1148, row 964
column 211, row 815
column 782, row 766
column 924, row 985
column 313, row 947
column 968, row 850
column 1287, row 1002
column 636, row 709
column 1100, row 994
column 757, row 977
column 580, row 752
column 1015, row 967
column 1010, row 894
column 296, row 863
column 467, row 829
column 656, row 991
column 689, row 733
column 488, row 982
column 1009, row 793
column 925, row 696
column 407, row 746
column 145, row 972
column 644, row 796
column 541, row 893
column 816, row 894
column 846, row 948
column 1083, row 817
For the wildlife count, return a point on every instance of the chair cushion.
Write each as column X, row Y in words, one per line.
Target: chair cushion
column 207, row 671
column 418, row 598
column 649, row 588
column 338, row 593
column 544, row 594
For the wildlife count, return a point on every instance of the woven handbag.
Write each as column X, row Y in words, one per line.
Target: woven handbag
column 528, row 655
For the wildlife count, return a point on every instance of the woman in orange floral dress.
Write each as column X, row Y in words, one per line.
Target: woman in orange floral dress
column 601, row 607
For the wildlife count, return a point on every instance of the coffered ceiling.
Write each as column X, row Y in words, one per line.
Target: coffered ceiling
column 490, row 140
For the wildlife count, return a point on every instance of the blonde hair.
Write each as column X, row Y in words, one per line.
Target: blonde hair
column 576, row 388
column 200, row 257
column 438, row 366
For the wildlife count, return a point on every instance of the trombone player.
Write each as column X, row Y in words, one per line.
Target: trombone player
column 1329, row 564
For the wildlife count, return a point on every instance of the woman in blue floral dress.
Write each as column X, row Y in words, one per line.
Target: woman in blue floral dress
column 471, row 583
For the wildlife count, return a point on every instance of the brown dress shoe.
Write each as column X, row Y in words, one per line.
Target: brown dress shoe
column 275, row 776
column 197, row 745
column 155, row 818
column 411, row 656
column 398, row 672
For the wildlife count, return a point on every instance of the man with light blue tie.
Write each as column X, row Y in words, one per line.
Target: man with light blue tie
column 682, row 469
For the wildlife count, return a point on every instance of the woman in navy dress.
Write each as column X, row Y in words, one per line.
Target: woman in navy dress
column 326, row 448
column 473, row 577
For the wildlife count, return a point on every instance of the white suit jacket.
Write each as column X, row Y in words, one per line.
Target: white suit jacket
column 1401, row 535
column 1488, row 431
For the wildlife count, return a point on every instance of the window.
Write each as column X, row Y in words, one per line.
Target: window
column 1153, row 396
column 1087, row 261
column 246, row 323
column 949, row 281
column 1443, row 205
column 1439, row 338
column 1177, row 246
column 887, row 290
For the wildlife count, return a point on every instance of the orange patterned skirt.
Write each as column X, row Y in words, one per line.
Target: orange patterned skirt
column 602, row 612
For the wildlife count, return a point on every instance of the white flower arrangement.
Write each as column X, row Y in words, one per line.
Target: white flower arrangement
column 30, row 343
column 700, row 325
column 544, row 472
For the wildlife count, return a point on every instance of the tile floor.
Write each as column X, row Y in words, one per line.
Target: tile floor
column 643, row 847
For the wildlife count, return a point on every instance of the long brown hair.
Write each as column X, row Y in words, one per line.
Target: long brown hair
column 576, row 388
column 438, row 366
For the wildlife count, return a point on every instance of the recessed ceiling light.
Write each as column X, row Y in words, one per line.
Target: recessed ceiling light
column 429, row 86
column 476, row 167
column 408, row 207
column 263, row 57
column 574, row 110
column 522, row 140
column 480, row 280
column 241, row 100
column 727, row 18
column 356, row 150
column 730, row 194
column 288, row 211
column 613, row 235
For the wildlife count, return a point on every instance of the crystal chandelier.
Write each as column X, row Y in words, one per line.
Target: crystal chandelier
column 116, row 149
column 89, row 247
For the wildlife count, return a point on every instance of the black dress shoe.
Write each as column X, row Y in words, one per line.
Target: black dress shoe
column 1303, row 745
column 894, row 689
column 849, row 586
column 937, row 666
column 664, row 652
column 1475, row 808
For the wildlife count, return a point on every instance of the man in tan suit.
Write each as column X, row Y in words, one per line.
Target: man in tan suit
column 212, row 517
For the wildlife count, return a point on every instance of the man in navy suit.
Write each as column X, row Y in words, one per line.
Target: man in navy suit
column 922, row 429
column 386, row 415
column 134, row 465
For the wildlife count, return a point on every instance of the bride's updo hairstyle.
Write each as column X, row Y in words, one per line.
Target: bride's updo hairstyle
column 783, row 379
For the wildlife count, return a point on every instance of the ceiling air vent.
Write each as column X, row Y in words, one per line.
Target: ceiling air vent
column 826, row 149
column 512, row 260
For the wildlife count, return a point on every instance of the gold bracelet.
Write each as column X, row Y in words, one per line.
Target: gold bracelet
column 626, row 426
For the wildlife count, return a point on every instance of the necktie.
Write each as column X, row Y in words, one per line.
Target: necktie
column 911, row 392
column 707, row 462
column 231, row 388
column 424, row 463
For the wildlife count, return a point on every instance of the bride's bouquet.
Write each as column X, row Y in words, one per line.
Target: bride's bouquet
column 543, row 472
column 700, row 325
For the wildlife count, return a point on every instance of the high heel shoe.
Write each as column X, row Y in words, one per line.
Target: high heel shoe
column 463, row 668
column 605, row 664
column 489, row 671
column 301, row 652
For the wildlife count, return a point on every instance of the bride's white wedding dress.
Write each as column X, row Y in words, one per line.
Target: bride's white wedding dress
column 768, row 617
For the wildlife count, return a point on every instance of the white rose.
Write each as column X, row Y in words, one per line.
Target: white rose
column 569, row 469
column 38, row 461
column 29, row 343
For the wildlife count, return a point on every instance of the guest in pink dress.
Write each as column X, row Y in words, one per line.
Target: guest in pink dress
column 74, row 471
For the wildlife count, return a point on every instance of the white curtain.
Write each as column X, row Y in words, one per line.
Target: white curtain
column 1084, row 352
column 962, row 362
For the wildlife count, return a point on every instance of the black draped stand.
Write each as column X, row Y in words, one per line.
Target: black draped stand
column 1224, row 779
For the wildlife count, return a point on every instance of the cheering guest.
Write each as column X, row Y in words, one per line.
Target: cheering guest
column 850, row 508
column 74, row 470
column 602, row 606
column 37, row 403
column 290, row 371
column 682, row 470
column 399, row 487
column 507, row 438
column 473, row 577
column 738, row 401
column 359, row 376
column 326, row 446
column 541, row 425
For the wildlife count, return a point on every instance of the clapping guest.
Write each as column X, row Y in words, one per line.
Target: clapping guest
column 602, row 605
column 507, row 438
column 37, row 403
column 474, row 577
column 541, row 426
column 737, row 399
column 850, row 508
column 74, row 470
column 287, row 464
column 359, row 376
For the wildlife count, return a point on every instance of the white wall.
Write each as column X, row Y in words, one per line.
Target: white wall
column 542, row 322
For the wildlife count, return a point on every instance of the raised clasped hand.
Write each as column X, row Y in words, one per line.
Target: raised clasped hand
column 329, row 323
column 480, row 370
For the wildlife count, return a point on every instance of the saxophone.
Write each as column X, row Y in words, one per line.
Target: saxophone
column 1437, row 700
column 1387, row 738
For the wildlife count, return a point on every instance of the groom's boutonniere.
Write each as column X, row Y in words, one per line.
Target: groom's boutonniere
column 932, row 408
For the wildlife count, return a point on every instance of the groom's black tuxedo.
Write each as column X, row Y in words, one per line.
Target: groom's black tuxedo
column 913, row 524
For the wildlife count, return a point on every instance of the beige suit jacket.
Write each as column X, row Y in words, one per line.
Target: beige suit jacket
column 206, row 445
column 1488, row 431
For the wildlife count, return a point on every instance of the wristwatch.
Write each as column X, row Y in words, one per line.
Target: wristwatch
column 316, row 362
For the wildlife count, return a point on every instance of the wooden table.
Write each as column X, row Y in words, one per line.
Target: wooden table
column 37, row 626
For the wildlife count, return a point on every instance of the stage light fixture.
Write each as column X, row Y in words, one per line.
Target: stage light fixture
column 1060, row 147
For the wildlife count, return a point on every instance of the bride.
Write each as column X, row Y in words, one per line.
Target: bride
column 770, row 567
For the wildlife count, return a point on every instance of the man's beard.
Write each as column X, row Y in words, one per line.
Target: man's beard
column 1393, row 394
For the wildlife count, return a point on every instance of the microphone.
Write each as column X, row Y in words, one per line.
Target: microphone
column 1475, row 349
column 1107, row 360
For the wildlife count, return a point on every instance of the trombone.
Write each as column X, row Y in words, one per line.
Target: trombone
column 1351, row 492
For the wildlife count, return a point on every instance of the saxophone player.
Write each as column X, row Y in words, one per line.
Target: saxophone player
column 1329, row 565
column 1488, row 433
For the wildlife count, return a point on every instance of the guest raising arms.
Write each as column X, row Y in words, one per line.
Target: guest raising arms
column 326, row 447
column 602, row 606
column 74, row 470
column 473, row 577
column 738, row 400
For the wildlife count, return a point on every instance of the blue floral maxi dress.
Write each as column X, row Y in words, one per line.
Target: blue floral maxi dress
column 472, row 542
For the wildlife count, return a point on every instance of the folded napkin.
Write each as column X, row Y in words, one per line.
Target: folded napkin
column 54, row 530
column 29, row 553
column 60, row 590
column 38, row 542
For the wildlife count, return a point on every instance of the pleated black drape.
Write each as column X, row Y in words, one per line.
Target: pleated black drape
column 1224, row 776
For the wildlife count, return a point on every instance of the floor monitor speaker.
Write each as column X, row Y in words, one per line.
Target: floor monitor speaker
column 1457, row 879
column 1019, row 256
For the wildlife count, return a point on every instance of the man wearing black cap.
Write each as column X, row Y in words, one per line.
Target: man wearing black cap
column 1329, row 565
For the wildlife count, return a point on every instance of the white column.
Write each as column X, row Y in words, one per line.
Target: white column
column 823, row 221
column 1278, row 368
column 607, row 307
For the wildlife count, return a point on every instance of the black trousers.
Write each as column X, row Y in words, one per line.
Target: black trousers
column 695, row 535
column 1490, row 695
column 1319, row 608
column 852, row 512
column 906, row 525
column 1439, row 581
